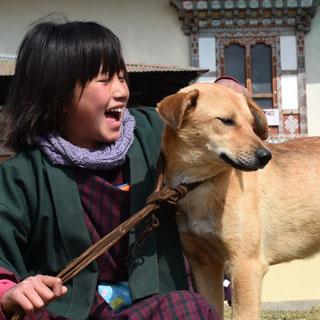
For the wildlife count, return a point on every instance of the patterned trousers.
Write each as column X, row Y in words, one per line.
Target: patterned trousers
column 177, row 305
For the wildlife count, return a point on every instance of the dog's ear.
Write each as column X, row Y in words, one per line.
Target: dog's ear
column 260, row 120
column 174, row 108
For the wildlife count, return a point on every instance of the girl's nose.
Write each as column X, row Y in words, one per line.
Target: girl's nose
column 120, row 87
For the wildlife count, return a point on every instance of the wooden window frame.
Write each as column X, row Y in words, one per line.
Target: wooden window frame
column 248, row 43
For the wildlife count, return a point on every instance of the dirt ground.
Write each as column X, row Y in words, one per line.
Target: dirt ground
column 312, row 314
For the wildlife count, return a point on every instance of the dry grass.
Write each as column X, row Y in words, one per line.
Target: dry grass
column 313, row 314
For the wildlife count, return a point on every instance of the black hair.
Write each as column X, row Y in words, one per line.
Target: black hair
column 51, row 60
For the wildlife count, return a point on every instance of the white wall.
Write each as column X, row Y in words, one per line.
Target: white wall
column 149, row 30
column 312, row 51
column 299, row 280
column 293, row 281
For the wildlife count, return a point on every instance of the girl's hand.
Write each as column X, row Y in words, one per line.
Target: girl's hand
column 32, row 294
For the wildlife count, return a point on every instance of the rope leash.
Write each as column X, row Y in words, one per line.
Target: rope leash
column 160, row 196
column 151, row 224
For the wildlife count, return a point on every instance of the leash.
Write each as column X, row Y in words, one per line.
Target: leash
column 160, row 196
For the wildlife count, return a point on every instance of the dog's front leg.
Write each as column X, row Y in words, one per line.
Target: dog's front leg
column 246, row 279
column 207, row 280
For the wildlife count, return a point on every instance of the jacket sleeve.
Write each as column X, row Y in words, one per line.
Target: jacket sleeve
column 27, row 218
column 149, row 127
column 15, row 205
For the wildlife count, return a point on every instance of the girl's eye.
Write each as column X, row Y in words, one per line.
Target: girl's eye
column 106, row 80
column 226, row 121
column 121, row 76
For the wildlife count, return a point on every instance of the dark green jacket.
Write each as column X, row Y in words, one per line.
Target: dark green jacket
column 42, row 225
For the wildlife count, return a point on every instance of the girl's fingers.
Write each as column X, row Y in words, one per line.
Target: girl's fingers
column 56, row 285
column 48, row 288
column 33, row 293
column 27, row 305
column 23, row 302
column 39, row 295
column 41, row 290
column 59, row 290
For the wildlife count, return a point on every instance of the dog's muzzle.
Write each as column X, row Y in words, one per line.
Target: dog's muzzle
column 246, row 162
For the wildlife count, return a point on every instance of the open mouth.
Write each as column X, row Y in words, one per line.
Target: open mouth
column 114, row 115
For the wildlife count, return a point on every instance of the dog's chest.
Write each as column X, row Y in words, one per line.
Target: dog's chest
column 196, row 214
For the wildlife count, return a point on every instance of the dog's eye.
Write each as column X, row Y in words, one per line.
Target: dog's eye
column 227, row 121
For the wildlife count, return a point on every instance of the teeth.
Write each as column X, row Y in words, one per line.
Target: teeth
column 116, row 110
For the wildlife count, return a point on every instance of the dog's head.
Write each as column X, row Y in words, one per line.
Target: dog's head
column 211, row 125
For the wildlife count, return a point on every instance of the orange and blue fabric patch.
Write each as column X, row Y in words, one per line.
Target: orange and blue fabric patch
column 125, row 187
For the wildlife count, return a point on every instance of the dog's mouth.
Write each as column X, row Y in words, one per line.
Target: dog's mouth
column 258, row 161
column 236, row 165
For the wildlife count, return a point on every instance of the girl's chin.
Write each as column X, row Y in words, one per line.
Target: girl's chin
column 111, row 138
column 112, row 130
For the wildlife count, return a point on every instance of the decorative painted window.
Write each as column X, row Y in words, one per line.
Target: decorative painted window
column 261, row 44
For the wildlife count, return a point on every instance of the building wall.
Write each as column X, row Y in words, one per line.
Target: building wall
column 149, row 30
column 312, row 54
column 294, row 281
column 300, row 280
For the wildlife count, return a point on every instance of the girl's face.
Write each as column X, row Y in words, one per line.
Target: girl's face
column 96, row 115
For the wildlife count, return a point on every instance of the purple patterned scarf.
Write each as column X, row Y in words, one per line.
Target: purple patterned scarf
column 61, row 151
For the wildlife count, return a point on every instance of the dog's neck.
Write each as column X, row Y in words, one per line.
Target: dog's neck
column 192, row 174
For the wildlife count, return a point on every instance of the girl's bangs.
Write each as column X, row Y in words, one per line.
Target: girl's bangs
column 101, row 55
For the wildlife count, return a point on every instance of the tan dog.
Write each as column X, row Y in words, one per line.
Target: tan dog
column 240, row 219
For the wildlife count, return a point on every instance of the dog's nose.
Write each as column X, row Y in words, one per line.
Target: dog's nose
column 264, row 156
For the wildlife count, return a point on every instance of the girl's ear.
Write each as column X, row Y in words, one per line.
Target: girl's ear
column 174, row 108
column 260, row 120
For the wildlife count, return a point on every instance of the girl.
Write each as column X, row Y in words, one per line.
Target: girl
column 76, row 144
